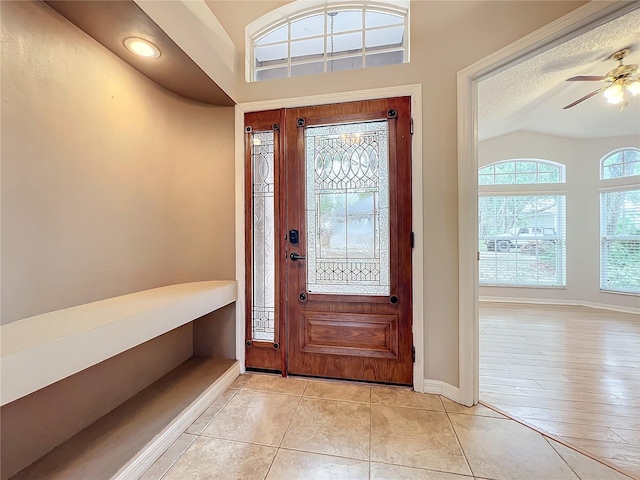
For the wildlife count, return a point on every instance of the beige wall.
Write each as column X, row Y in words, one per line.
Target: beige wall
column 110, row 185
column 446, row 36
column 582, row 160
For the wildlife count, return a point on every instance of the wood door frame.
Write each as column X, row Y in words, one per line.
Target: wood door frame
column 413, row 91
column 559, row 31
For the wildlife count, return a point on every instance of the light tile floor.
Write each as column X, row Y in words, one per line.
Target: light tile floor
column 267, row 427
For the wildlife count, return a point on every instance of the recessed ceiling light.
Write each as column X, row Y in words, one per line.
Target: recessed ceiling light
column 142, row 47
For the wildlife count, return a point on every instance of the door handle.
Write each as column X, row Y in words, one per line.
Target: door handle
column 294, row 256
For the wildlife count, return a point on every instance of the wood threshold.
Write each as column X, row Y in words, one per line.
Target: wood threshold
column 127, row 440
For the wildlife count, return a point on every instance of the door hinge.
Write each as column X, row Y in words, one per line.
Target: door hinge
column 478, row 255
column 413, row 240
column 411, row 131
column 413, row 354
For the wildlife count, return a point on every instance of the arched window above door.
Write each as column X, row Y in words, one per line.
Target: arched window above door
column 298, row 39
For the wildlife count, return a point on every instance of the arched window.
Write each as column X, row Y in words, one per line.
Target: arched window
column 620, row 163
column 521, row 215
column 519, row 172
column 620, row 221
column 337, row 36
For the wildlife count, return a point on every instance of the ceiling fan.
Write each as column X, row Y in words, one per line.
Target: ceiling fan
column 623, row 77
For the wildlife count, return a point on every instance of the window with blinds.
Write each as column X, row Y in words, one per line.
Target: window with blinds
column 522, row 232
column 620, row 222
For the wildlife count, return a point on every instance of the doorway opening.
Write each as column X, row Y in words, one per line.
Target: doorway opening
column 560, row 367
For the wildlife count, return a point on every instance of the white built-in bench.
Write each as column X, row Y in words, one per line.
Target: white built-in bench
column 39, row 351
column 49, row 349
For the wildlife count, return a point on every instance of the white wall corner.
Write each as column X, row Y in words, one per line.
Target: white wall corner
column 438, row 387
column 240, row 247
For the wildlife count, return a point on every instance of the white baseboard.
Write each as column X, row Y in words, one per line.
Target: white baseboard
column 547, row 301
column 439, row 387
column 139, row 464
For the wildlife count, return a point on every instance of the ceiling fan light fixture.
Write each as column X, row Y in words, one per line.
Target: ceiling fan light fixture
column 634, row 88
column 614, row 94
column 623, row 79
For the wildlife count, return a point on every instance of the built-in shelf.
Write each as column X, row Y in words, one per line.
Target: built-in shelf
column 125, row 442
column 40, row 350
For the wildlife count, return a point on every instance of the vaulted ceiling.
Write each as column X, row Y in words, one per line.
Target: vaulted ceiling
column 530, row 95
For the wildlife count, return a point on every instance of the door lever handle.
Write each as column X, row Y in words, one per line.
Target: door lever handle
column 294, row 256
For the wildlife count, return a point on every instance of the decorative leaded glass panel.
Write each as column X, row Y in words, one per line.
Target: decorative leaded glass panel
column 263, row 305
column 347, row 208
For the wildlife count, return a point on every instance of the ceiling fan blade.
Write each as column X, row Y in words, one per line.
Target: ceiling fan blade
column 587, row 78
column 580, row 100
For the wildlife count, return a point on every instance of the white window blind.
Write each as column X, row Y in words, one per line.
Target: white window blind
column 522, row 240
column 620, row 241
column 522, row 236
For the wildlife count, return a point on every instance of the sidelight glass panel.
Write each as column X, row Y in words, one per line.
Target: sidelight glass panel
column 263, row 304
column 347, row 208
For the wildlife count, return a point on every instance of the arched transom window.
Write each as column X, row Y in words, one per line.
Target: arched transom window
column 329, row 39
column 519, row 172
column 621, row 163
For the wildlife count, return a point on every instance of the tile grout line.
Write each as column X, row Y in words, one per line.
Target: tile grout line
column 464, row 454
column 195, row 436
column 430, row 470
column 164, row 474
column 217, row 413
column 291, row 449
column 558, row 453
column 293, row 416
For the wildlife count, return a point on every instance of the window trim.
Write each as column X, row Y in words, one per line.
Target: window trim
column 294, row 11
column 624, row 183
column 556, row 189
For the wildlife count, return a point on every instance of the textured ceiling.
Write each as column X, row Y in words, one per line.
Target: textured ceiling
column 530, row 95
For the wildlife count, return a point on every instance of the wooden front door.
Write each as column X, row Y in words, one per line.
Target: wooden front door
column 348, row 240
column 328, row 236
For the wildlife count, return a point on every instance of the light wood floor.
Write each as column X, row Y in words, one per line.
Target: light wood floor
column 572, row 372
